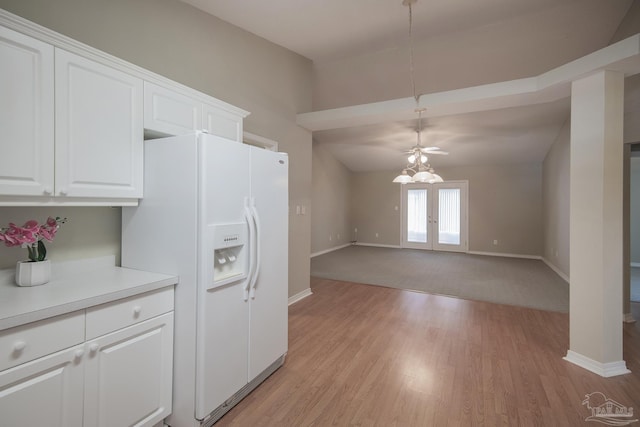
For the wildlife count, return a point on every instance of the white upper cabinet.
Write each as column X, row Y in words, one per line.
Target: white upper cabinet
column 222, row 123
column 26, row 115
column 73, row 119
column 99, row 129
column 169, row 113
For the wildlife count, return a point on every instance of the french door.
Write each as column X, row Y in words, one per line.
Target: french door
column 435, row 216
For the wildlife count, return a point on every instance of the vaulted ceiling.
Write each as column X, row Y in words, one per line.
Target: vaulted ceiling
column 360, row 53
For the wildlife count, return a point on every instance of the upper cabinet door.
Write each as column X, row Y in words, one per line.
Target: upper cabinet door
column 222, row 123
column 169, row 113
column 99, row 130
column 26, row 115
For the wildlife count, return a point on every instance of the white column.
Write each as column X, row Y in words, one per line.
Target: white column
column 596, row 223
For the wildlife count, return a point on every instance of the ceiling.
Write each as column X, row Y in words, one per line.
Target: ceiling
column 333, row 31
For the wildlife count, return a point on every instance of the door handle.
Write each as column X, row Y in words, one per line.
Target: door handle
column 256, row 220
column 250, row 245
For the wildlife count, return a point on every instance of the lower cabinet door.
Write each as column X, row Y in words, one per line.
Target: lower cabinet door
column 128, row 375
column 44, row 392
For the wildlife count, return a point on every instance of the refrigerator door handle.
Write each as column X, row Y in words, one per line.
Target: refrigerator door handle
column 256, row 219
column 249, row 219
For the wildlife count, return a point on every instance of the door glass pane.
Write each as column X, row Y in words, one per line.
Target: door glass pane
column 417, row 216
column 449, row 216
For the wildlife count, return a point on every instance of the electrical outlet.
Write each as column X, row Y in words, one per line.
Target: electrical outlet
column 495, row 242
column 338, row 236
column 377, row 235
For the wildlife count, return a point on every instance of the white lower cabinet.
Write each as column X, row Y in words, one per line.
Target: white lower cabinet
column 120, row 378
column 128, row 375
column 44, row 392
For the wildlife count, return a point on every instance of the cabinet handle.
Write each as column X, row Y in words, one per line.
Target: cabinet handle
column 48, row 190
column 19, row 346
column 93, row 348
column 79, row 354
column 136, row 311
column 63, row 191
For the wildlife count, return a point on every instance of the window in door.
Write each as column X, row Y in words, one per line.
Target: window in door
column 435, row 216
column 417, row 215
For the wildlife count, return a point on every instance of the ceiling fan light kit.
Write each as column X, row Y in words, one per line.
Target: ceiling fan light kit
column 422, row 171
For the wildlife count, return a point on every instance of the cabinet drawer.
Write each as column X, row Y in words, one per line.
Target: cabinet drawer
column 28, row 342
column 110, row 317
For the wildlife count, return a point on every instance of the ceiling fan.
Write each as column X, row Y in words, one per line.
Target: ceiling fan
column 425, row 150
column 418, row 161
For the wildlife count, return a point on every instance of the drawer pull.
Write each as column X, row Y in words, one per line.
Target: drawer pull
column 19, row 346
column 93, row 348
column 79, row 354
column 136, row 311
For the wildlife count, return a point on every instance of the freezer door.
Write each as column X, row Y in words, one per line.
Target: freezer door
column 269, row 292
column 223, row 313
column 223, row 352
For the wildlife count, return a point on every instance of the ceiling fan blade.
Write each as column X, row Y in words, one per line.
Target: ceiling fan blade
column 425, row 149
column 443, row 153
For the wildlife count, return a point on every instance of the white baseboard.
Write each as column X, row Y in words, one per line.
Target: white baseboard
column 556, row 269
column 505, row 255
column 628, row 318
column 326, row 251
column 300, row 295
column 376, row 245
column 635, row 264
column 606, row 370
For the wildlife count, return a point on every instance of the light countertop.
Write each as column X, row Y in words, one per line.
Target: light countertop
column 71, row 289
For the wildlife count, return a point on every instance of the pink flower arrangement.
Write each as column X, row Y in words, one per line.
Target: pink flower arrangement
column 31, row 236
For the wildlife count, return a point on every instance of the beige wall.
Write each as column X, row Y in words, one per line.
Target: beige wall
column 331, row 202
column 374, row 199
column 505, row 204
column 440, row 66
column 88, row 233
column 555, row 205
column 634, row 175
column 186, row 45
column 556, row 164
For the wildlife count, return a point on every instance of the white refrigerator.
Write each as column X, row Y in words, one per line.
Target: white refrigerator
column 215, row 213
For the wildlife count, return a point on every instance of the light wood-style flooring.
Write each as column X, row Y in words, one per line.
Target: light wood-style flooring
column 374, row 356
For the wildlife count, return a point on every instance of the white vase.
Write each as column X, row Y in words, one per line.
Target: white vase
column 30, row 273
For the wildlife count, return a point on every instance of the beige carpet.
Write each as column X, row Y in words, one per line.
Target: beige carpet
column 513, row 281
